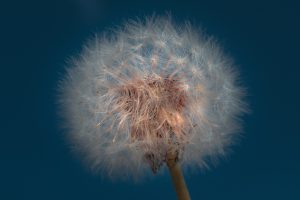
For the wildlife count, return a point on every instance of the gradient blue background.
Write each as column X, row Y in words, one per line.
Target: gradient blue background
column 36, row 39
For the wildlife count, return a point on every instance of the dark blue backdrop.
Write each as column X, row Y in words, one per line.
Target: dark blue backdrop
column 38, row 36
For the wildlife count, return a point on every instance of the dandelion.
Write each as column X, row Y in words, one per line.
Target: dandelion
column 153, row 94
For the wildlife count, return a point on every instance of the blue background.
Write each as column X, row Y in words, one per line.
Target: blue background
column 37, row 38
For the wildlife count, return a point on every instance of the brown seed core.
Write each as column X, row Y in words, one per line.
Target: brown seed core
column 154, row 106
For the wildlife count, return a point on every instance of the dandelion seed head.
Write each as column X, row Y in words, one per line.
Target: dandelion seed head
column 152, row 88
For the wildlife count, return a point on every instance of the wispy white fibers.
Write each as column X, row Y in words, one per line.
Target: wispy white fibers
column 150, row 86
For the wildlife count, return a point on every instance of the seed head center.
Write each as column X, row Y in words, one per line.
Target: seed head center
column 155, row 107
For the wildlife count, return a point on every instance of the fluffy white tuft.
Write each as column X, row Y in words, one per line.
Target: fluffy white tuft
column 153, row 48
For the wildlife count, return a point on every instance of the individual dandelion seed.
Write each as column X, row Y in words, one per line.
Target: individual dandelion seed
column 153, row 93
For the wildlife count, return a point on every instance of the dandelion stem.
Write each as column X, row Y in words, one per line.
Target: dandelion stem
column 178, row 180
